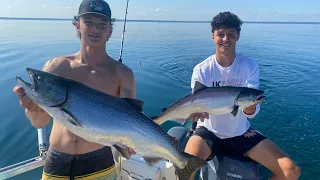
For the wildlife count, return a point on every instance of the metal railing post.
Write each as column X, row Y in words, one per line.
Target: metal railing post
column 29, row 164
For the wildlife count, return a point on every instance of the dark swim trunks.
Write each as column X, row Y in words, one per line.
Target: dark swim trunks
column 98, row 164
column 240, row 144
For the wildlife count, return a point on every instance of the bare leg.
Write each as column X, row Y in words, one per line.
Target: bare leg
column 198, row 147
column 269, row 155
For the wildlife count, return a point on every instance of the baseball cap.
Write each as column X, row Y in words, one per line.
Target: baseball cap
column 99, row 7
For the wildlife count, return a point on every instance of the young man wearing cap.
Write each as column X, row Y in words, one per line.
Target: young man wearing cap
column 70, row 156
column 215, row 132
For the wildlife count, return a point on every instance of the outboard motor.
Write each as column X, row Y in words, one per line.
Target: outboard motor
column 226, row 165
column 232, row 167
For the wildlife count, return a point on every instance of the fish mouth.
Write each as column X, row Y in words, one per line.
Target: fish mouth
column 32, row 85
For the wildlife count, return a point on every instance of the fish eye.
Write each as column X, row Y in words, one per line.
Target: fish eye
column 39, row 78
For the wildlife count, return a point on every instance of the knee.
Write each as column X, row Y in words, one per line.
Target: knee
column 292, row 171
column 196, row 146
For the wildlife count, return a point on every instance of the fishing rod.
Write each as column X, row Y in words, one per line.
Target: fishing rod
column 124, row 30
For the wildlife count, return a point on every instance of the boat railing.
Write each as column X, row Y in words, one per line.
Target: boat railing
column 30, row 164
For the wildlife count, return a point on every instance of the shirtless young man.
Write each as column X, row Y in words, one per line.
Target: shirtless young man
column 214, row 132
column 70, row 156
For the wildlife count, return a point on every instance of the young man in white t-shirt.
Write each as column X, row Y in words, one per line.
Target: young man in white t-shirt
column 214, row 132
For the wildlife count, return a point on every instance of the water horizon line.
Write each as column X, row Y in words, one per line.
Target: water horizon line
column 160, row 21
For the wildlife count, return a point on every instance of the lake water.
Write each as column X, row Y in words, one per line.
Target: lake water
column 288, row 55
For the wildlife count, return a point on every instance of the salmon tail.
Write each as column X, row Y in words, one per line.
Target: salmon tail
column 154, row 117
column 193, row 164
column 163, row 117
column 158, row 119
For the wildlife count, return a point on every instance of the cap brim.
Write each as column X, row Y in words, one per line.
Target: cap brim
column 79, row 15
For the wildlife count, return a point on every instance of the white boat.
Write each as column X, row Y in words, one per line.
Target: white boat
column 134, row 168
column 222, row 167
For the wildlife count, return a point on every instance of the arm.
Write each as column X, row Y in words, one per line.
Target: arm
column 37, row 116
column 198, row 79
column 128, row 84
column 253, row 82
column 197, row 82
column 128, row 90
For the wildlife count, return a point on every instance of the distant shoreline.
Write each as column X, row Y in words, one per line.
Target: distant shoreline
column 158, row 21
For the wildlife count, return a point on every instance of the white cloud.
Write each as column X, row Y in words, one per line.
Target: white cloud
column 9, row 7
column 44, row 6
column 158, row 9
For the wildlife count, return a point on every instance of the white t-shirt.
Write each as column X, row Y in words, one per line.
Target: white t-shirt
column 242, row 72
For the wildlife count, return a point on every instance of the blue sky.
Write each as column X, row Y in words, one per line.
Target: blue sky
column 247, row 10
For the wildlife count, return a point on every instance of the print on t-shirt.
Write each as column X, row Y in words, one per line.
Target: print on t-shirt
column 229, row 82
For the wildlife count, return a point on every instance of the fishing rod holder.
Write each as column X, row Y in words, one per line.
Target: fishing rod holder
column 30, row 164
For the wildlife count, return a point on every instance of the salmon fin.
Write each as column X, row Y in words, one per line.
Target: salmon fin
column 71, row 118
column 151, row 161
column 122, row 150
column 155, row 117
column 235, row 110
column 136, row 103
column 193, row 164
column 198, row 87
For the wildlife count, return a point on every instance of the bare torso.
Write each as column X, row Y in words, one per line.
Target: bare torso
column 106, row 77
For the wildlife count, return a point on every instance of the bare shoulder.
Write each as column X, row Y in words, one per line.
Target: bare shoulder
column 58, row 65
column 124, row 71
column 127, row 81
